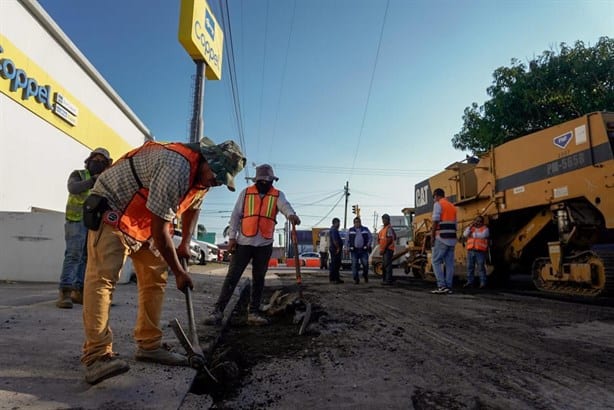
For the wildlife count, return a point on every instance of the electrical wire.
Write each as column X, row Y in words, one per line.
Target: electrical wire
column 364, row 114
column 283, row 77
column 227, row 26
column 331, row 210
column 325, row 169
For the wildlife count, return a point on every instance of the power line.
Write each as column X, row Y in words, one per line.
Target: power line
column 283, row 76
column 331, row 210
column 226, row 23
column 325, row 169
column 364, row 114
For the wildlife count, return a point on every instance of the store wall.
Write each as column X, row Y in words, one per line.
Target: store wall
column 39, row 148
column 55, row 108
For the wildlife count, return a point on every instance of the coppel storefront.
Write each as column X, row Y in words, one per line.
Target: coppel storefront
column 54, row 109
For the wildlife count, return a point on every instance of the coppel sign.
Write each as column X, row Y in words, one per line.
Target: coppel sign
column 201, row 36
column 29, row 88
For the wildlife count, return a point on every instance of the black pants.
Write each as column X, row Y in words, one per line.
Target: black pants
column 334, row 265
column 387, row 265
column 259, row 256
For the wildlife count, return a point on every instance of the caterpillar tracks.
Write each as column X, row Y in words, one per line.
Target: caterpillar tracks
column 600, row 264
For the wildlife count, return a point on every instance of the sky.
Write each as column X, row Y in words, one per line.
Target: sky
column 363, row 92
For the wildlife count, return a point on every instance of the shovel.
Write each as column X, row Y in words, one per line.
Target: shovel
column 196, row 358
column 299, row 282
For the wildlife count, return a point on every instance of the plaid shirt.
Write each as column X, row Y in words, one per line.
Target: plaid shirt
column 164, row 172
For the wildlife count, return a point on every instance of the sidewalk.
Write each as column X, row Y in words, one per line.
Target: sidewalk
column 40, row 346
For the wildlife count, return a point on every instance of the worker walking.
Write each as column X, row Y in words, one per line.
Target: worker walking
column 386, row 238
column 443, row 233
column 75, row 233
column 251, row 230
column 477, row 246
column 129, row 212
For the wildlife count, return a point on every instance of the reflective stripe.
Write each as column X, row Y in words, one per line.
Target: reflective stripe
column 259, row 213
column 478, row 244
column 447, row 225
column 74, row 203
column 383, row 238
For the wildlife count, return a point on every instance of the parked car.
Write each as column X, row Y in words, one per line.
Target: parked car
column 310, row 259
column 208, row 252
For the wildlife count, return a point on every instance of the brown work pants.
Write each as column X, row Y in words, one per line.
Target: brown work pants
column 106, row 255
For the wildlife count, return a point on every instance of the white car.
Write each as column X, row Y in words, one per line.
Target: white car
column 195, row 249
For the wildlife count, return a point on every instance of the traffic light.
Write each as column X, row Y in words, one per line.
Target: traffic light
column 354, row 208
column 357, row 210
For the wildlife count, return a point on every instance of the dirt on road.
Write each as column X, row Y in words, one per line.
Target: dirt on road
column 372, row 346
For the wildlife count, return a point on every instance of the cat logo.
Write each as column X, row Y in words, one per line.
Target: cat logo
column 562, row 141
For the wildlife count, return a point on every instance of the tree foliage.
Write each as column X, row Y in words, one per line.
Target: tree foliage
column 554, row 88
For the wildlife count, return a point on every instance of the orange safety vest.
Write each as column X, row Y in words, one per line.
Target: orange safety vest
column 447, row 225
column 477, row 244
column 383, row 238
column 259, row 213
column 135, row 220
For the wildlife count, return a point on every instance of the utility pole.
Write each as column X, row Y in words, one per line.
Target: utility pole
column 347, row 194
column 197, row 123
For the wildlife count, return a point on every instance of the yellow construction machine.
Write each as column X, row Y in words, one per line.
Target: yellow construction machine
column 548, row 199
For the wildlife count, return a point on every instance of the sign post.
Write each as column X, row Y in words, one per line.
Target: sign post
column 203, row 39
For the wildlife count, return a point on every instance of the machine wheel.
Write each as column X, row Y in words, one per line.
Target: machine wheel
column 378, row 268
column 201, row 258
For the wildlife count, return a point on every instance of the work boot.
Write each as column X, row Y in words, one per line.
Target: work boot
column 105, row 367
column 214, row 318
column 161, row 355
column 256, row 319
column 366, row 277
column 64, row 300
column 76, row 295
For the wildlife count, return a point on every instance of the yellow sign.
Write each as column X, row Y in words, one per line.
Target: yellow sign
column 201, row 36
column 29, row 85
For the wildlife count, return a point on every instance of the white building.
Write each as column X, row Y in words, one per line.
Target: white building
column 55, row 108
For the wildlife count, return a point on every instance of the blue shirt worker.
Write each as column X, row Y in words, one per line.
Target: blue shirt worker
column 477, row 246
column 335, row 248
column 75, row 233
column 360, row 246
column 443, row 232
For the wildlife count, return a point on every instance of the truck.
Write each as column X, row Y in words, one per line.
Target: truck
column 548, row 199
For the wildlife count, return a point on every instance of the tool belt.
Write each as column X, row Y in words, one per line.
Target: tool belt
column 94, row 208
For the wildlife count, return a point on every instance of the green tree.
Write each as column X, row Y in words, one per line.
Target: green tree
column 554, row 88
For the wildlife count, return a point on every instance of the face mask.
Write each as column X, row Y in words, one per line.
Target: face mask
column 263, row 186
column 96, row 167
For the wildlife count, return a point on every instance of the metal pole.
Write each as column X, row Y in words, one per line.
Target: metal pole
column 347, row 194
column 197, row 125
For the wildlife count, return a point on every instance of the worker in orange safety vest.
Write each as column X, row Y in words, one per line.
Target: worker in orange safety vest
column 477, row 246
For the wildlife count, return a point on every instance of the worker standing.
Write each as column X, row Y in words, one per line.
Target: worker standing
column 477, row 246
column 443, row 233
column 129, row 212
column 386, row 238
column 75, row 232
column 359, row 238
column 251, row 230
column 335, row 247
